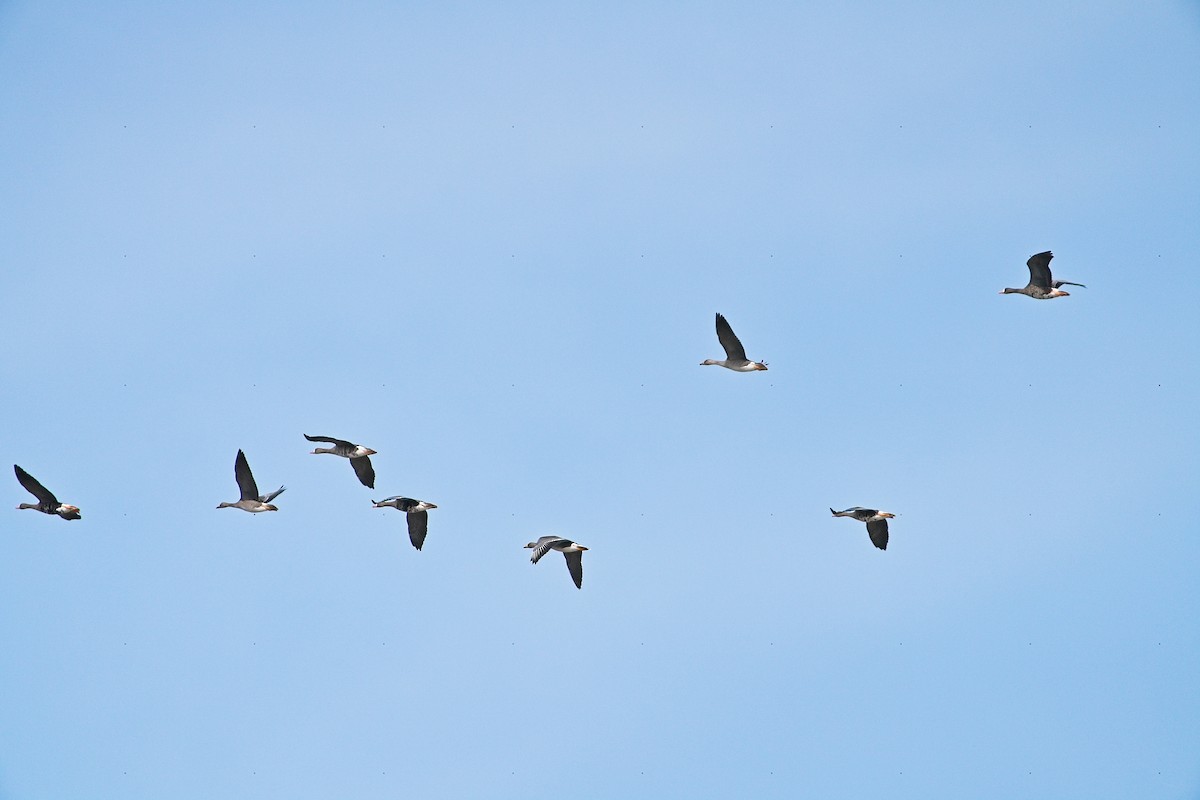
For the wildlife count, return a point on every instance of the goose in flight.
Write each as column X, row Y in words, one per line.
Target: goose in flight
column 251, row 500
column 876, row 521
column 417, row 512
column 46, row 503
column 357, row 454
column 1042, row 285
column 735, row 355
column 571, row 551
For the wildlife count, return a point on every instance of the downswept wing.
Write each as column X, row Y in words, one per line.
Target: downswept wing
column 418, row 527
column 543, row 545
column 575, row 567
column 878, row 532
column 364, row 471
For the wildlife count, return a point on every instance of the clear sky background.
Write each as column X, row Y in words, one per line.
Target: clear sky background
column 488, row 240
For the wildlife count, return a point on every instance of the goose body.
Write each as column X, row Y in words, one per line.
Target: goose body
column 417, row 512
column 358, row 455
column 572, row 552
column 46, row 503
column 1042, row 285
column 250, row 500
column 735, row 355
column 877, row 527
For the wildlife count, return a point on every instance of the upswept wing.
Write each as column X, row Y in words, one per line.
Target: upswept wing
column 266, row 498
column 729, row 340
column 245, row 479
column 328, row 440
column 1039, row 269
column 32, row 486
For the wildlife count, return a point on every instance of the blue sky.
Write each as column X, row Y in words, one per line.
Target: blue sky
column 488, row 241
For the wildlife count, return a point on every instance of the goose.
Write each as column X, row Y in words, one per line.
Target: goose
column 417, row 512
column 251, row 500
column 571, row 551
column 1042, row 285
column 876, row 521
column 46, row 503
column 735, row 355
column 355, row 452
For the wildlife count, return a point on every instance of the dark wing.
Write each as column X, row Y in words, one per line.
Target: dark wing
column 575, row 567
column 1067, row 283
column 364, row 471
column 330, row 440
column 878, row 532
column 32, row 486
column 266, row 498
column 729, row 340
column 543, row 546
column 418, row 527
column 245, row 479
column 1039, row 269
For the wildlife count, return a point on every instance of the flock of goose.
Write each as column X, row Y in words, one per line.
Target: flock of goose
column 1041, row 286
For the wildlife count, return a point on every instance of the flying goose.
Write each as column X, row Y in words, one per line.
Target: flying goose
column 571, row 551
column 46, row 503
column 735, row 355
column 417, row 512
column 355, row 452
column 1042, row 285
column 251, row 500
column 876, row 521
